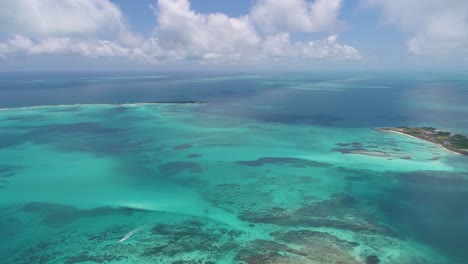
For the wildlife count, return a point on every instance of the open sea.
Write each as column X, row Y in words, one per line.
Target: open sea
column 272, row 168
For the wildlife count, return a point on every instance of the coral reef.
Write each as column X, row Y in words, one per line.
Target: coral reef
column 296, row 162
column 341, row 211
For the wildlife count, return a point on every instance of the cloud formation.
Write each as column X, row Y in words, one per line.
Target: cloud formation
column 273, row 16
column 435, row 26
column 59, row 17
column 280, row 46
column 62, row 45
column 96, row 28
column 183, row 31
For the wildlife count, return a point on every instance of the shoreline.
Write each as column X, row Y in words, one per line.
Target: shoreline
column 105, row 104
column 401, row 133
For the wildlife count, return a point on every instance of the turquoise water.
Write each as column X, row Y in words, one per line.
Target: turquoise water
column 276, row 169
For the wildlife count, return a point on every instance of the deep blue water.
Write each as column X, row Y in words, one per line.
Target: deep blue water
column 363, row 99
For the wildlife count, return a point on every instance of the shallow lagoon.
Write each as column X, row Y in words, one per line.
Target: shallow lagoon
column 265, row 174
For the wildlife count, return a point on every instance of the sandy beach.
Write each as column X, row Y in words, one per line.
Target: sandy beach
column 401, row 133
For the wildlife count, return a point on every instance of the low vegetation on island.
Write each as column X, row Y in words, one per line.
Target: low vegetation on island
column 454, row 142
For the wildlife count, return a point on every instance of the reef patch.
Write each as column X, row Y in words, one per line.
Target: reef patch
column 295, row 162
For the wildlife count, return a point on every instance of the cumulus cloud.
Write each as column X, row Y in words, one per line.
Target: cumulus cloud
column 181, row 29
column 180, row 33
column 63, row 45
column 59, row 17
column 435, row 26
column 280, row 46
column 273, row 16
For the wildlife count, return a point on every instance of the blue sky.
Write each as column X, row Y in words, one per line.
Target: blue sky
column 241, row 34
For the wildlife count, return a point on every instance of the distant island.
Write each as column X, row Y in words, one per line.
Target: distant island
column 163, row 102
column 178, row 102
column 453, row 142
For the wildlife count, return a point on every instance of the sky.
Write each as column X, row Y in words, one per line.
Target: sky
column 240, row 34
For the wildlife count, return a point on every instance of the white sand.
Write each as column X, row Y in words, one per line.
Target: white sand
column 401, row 133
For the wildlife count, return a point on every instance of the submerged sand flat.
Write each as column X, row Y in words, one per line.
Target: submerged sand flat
column 169, row 184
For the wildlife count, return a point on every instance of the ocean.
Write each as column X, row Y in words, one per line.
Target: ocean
column 265, row 168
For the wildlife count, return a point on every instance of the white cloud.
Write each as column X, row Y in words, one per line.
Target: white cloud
column 182, row 30
column 180, row 34
column 59, row 17
column 273, row 16
column 63, row 45
column 435, row 26
column 280, row 46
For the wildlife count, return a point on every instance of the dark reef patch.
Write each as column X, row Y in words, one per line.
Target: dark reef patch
column 322, row 209
column 7, row 175
column 341, row 211
column 354, row 145
column 63, row 247
column 319, row 247
column 343, row 144
column 295, row 162
column 372, row 260
column 347, row 151
column 56, row 215
column 8, row 171
column 92, row 137
column 367, row 152
column 182, row 147
column 90, row 128
column 245, row 196
column 94, row 258
column 191, row 228
column 113, row 234
column 368, row 149
column 38, row 254
column 406, row 157
column 315, row 119
column 314, row 249
column 266, row 251
column 154, row 251
column 117, row 110
column 172, row 168
column 87, row 136
column 53, row 215
column 186, row 237
column 25, row 118
column 11, row 139
column 307, row 237
column 355, row 178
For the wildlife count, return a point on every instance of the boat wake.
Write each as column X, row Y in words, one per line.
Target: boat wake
column 131, row 233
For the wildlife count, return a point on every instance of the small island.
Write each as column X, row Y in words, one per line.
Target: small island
column 179, row 102
column 453, row 142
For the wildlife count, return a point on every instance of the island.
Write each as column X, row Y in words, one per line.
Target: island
column 453, row 142
column 163, row 102
column 178, row 102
